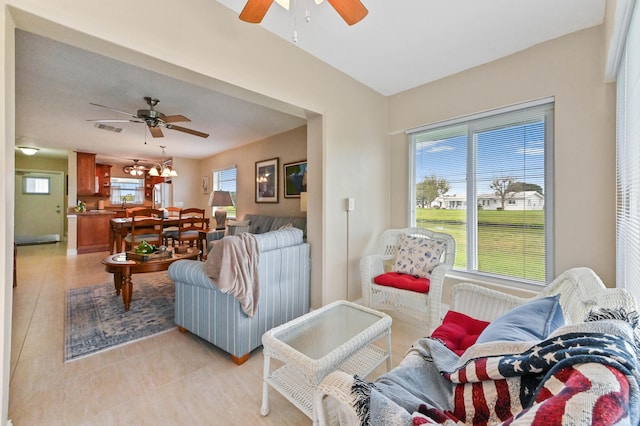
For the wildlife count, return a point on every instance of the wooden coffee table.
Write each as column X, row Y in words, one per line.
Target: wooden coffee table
column 122, row 269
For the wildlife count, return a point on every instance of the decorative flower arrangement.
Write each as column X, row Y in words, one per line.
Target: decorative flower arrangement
column 81, row 207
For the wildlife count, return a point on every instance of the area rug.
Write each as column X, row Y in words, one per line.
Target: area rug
column 96, row 319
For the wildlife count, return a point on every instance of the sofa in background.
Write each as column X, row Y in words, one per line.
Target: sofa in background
column 260, row 223
column 567, row 356
column 284, row 277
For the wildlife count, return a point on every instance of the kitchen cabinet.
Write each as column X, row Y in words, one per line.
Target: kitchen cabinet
column 103, row 173
column 93, row 232
column 86, row 179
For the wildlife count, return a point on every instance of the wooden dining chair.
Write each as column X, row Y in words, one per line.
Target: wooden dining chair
column 129, row 212
column 171, row 231
column 146, row 225
column 191, row 227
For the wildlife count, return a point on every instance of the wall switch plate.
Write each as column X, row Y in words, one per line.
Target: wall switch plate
column 351, row 204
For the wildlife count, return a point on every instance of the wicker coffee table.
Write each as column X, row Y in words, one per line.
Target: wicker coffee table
column 338, row 336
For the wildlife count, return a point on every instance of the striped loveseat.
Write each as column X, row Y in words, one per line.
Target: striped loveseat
column 284, row 269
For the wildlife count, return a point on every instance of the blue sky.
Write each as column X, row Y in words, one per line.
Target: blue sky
column 516, row 151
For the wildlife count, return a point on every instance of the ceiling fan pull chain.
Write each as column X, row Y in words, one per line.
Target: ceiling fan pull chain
column 307, row 14
column 295, row 27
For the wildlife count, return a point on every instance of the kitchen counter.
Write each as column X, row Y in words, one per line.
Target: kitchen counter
column 93, row 230
column 89, row 212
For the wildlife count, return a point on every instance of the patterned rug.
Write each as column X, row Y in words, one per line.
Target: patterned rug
column 96, row 319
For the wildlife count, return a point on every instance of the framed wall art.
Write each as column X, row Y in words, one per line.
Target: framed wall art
column 267, row 181
column 205, row 184
column 295, row 179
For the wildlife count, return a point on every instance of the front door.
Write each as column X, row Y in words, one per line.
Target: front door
column 40, row 215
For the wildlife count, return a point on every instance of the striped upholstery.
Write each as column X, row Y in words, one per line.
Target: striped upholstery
column 259, row 223
column 284, row 270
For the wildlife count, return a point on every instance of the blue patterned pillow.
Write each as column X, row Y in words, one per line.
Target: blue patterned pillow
column 418, row 256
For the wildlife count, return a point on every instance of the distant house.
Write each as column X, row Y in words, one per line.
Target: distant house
column 450, row 202
column 525, row 200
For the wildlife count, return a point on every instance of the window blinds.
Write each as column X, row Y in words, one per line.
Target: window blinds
column 628, row 162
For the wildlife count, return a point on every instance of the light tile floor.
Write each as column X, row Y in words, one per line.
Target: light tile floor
column 169, row 379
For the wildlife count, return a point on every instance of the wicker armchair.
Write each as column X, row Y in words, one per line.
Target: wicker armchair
column 422, row 306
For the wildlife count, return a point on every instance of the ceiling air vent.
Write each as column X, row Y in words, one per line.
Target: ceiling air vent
column 109, row 128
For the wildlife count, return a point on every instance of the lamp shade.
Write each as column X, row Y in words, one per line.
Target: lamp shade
column 220, row 199
column 303, row 201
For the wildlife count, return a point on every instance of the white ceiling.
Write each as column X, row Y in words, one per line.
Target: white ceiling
column 401, row 44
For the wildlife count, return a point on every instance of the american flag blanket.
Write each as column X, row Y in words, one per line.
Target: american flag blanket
column 571, row 379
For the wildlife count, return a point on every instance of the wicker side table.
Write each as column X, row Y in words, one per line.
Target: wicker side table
column 338, row 336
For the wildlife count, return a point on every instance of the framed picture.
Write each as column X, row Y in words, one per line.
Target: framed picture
column 205, row 184
column 267, row 181
column 295, row 179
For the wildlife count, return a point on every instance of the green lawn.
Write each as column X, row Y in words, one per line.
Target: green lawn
column 509, row 242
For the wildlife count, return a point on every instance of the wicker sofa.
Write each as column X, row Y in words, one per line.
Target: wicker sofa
column 587, row 371
column 260, row 223
column 284, row 277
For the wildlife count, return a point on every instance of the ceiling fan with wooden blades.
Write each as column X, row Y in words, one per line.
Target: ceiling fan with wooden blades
column 352, row 11
column 155, row 120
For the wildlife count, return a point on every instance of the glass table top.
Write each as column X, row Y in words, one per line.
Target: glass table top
column 325, row 331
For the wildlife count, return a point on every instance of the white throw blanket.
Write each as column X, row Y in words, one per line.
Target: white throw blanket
column 232, row 264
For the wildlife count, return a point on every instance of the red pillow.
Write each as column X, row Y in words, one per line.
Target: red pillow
column 459, row 331
column 403, row 281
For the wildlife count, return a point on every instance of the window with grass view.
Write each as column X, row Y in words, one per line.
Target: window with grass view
column 485, row 180
column 225, row 180
column 126, row 191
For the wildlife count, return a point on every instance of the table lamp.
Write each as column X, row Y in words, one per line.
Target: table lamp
column 220, row 199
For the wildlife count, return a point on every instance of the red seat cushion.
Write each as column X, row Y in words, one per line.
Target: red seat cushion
column 459, row 331
column 403, row 281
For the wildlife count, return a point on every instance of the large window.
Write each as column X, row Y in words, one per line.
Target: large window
column 485, row 180
column 628, row 161
column 127, row 191
column 225, row 180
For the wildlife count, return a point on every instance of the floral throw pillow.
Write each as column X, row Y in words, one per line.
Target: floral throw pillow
column 418, row 256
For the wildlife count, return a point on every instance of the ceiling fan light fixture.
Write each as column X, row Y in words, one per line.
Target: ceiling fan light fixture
column 154, row 120
column 351, row 11
column 135, row 169
column 284, row 4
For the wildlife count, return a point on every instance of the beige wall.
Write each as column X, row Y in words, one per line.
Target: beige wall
column 187, row 186
column 7, row 203
column 289, row 147
column 40, row 162
column 570, row 69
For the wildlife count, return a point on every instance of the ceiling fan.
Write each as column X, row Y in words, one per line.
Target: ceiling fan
column 352, row 11
column 155, row 120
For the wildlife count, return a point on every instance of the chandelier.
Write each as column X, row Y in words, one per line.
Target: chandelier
column 135, row 169
column 164, row 168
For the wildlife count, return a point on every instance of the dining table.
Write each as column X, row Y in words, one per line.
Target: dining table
column 119, row 227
